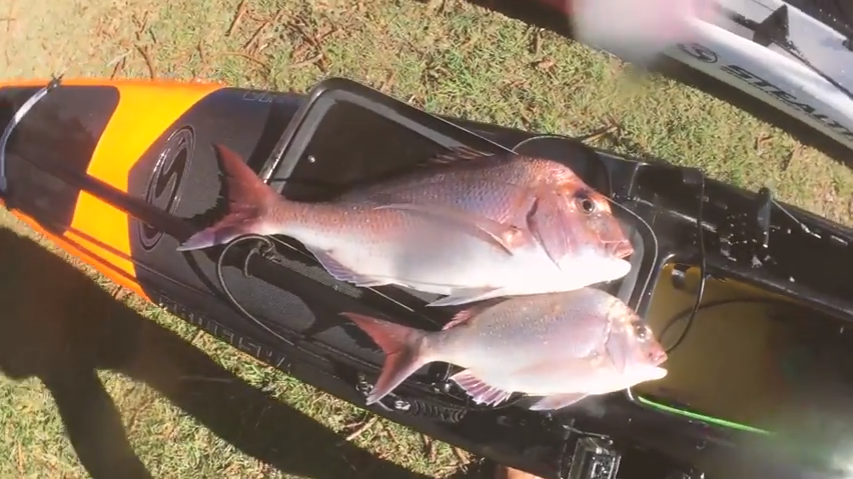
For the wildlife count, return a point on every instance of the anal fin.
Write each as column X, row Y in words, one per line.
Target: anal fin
column 342, row 273
column 557, row 401
column 479, row 391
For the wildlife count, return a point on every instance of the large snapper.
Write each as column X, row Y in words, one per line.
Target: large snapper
column 477, row 228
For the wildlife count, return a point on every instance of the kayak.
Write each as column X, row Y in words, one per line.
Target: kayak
column 785, row 62
column 735, row 283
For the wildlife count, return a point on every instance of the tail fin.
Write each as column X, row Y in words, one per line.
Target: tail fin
column 403, row 352
column 249, row 202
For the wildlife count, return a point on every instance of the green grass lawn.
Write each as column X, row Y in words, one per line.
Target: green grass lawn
column 192, row 407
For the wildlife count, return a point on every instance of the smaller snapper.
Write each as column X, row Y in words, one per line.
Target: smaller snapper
column 562, row 346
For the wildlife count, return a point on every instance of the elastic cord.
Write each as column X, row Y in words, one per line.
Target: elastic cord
column 16, row 119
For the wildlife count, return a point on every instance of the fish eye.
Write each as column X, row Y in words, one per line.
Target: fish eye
column 585, row 204
column 642, row 332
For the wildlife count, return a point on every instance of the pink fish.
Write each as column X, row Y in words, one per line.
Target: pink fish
column 477, row 227
column 560, row 346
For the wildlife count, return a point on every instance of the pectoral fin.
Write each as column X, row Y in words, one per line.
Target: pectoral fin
column 550, row 225
column 616, row 348
column 506, row 236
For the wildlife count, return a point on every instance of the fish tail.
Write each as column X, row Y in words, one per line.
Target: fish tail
column 403, row 348
column 250, row 201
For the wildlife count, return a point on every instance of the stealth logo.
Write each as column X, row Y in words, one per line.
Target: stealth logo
column 164, row 187
column 699, row 52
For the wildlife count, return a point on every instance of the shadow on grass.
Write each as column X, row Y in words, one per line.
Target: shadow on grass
column 57, row 325
column 543, row 16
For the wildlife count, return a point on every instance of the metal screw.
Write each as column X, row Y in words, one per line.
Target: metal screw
column 363, row 386
column 402, row 405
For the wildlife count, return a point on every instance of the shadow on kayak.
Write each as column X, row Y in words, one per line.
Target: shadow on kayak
column 59, row 326
column 543, row 16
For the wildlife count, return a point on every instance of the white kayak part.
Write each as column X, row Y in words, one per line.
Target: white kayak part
column 774, row 78
column 723, row 49
column 820, row 43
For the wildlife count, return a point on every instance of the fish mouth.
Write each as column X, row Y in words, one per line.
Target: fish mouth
column 611, row 234
column 620, row 249
column 657, row 356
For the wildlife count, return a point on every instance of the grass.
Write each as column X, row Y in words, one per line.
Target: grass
column 192, row 407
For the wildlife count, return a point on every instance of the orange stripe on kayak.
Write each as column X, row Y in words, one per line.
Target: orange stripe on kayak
column 95, row 262
column 144, row 112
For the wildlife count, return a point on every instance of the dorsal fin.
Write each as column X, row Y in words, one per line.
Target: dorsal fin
column 451, row 156
column 457, row 155
column 465, row 315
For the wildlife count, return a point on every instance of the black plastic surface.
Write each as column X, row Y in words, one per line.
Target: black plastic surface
column 59, row 133
column 347, row 133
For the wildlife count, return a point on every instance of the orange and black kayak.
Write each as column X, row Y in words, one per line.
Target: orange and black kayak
column 752, row 296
